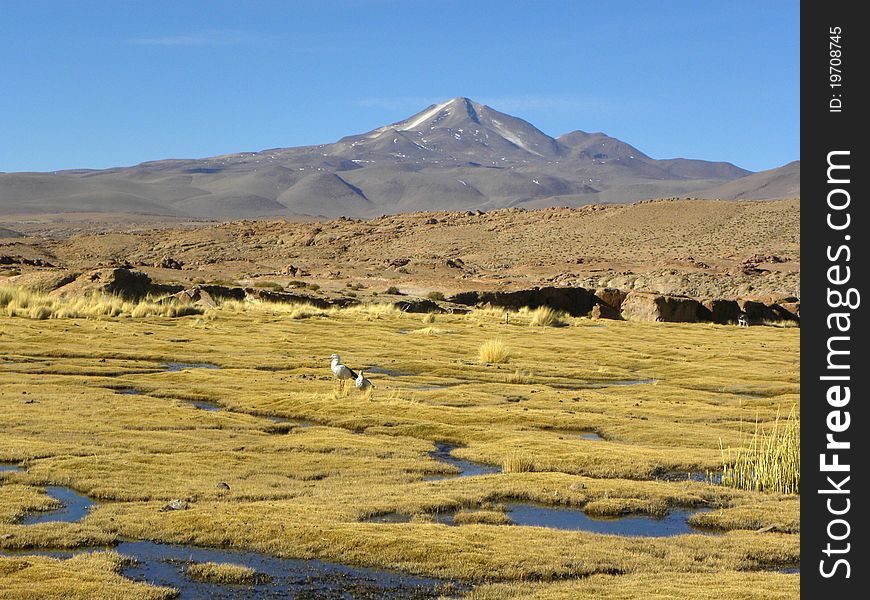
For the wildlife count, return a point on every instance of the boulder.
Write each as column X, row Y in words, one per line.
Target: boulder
column 124, row 282
column 724, row 312
column 419, row 305
column 604, row 311
column 640, row 306
column 167, row 262
column 781, row 313
column 793, row 308
column 757, row 312
column 196, row 296
column 612, row 297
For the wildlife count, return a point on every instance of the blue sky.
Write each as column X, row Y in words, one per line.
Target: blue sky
column 100, row 84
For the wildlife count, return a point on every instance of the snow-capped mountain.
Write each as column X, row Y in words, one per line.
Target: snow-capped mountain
column 454, row 155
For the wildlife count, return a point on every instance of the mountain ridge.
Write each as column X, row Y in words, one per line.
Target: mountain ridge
column 454, row 155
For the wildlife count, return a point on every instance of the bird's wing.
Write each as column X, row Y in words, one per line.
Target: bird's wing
column 352, row 374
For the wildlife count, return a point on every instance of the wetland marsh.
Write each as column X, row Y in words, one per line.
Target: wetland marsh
column 312, row 474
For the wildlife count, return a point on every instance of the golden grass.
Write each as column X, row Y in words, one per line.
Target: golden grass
column 83, row 577
column 770, row 461
column 224, row 573
column 481, row 517
column 518, row 377
column 493, row 351
column 544, row 316
column 20, row 302
column 518, row 463
column 303, row 492
column 664, row 585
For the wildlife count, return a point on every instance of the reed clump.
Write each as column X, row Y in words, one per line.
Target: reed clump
column 494, row 351
column 770, row 462
column 518, row 463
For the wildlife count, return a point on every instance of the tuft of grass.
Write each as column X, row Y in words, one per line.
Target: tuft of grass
column 428, row 318
column 392, row 291
column 436, row 296
column 225, row 573
column 518, row 462
column 770, row 462
column 493, row 351
column 518, row 377
column 544, row 316
column 482, row 517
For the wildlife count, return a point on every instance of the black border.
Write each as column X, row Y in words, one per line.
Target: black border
column 823, row 131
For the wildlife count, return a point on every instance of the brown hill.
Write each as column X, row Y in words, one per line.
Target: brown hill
column 701, row 248
column 455, row 155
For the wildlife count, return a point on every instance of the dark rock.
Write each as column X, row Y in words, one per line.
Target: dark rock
column 575, row 301
column 196, row 295
column 126, row 283
column 640, row 306
column 167, row 262
column 724, row 312
column 793, row 307
column 419, row 305
column 611, row 297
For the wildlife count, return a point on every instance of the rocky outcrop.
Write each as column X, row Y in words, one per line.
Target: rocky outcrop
column 576, row 301
column 124, row 282
column 196, row 296
column 611, row 297
column 167, row 262
column 640, row 306
column 287, row 298
column 419, row 305
column 30, row 262
column 724, row 312
column 793, row 308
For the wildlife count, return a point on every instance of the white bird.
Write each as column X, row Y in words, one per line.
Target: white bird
column 341, row 372
column 362, row 383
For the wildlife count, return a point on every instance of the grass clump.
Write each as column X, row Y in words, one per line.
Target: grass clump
column 518, row 463
column 544, row 316
column 225, row 573
column 493, row 351
column 482, row 517
column 518, row 377
column 392, row 291
column 436, row 296
column 771, row 462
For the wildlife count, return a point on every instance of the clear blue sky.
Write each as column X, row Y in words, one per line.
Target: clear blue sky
column 100, row 84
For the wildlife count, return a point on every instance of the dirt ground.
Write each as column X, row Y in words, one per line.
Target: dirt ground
column 698, row 248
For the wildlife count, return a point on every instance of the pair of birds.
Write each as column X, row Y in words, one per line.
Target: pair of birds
column 343, row 373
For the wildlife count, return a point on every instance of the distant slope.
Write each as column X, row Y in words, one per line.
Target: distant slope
column 455, row 155
column 9, row 233
column 783, row 182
